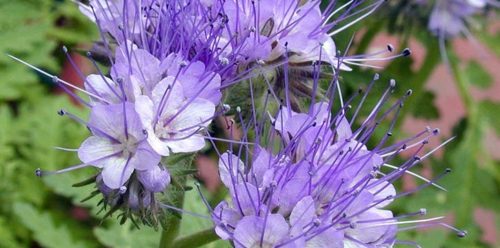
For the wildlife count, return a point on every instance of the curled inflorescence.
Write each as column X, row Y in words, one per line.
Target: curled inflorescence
column 300, row 176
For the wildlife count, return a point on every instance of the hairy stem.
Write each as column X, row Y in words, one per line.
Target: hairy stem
column 171, row 221
column 197, row 239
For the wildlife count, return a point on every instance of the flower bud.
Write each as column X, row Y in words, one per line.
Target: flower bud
column 154, row 180
column 137, row 198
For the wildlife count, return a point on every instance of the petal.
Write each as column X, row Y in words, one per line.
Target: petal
column 192, row 144
column 212, row 91
column 281, row 118
column 139, row 63
column 134, row 123
column 229, row 166
column 360, row 202
column 297, row 124
column 321, row 112
column 267, row 179
column 145, row 158
column 103, row 87
column 116, row 172
column 293, row 187
column 87, row 11
column 343, row 129
column 261, row 164
column 197, row 114
column 158, row 145
column 249, row 231
column 226, row 219
column 330, row 50
column 246, row 198
column 110, row 120
column 168, row 96
column 171, row 64
column 155, row 179
column 94, row 148
column 144, row 108
column 367, row 234
column 291, row 193
column 387, row 191
column 330, row 238
column 477, row 3
column 302, row 215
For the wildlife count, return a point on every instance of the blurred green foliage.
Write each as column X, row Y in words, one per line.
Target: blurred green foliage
column 47, row 212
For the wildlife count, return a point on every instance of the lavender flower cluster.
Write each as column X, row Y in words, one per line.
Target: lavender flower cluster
column 317, row 184
column 449, row 18
column 308, row 180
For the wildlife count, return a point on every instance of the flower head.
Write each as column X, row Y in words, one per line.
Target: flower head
column 157, row 99
column 118, row 144
column 449, row 18
column 312, row 180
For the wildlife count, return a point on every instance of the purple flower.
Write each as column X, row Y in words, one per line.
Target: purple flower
column 155, row 179
column 310, row 181
column 120, row 18
column 268, row 31
column 144, row 71
column 157, row 99
column 118, row 144
column 255, row 231
column 307, row 209
column 173, row 98
column 160, row 28
column 172, row 120
column 229, row 37
column 318, row 184
column 449, row 18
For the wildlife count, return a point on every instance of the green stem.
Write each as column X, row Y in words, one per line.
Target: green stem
column 171, row 221
column 472, row 132
column 169, row 234
column 197, row 239
column 461, row 83
column 165, row 239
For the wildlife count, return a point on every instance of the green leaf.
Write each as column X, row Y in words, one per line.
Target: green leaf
column 45, row 230
column 23, row 27
column 491, row 40
column 490, row 111
column 40, row 130
column 425, row 106
column 32, row 30
column 477, row 75
column 192, row 224
column 7, row 235
column 127, row 236
column 73, row 27
column 61, row 184
column 194, row 204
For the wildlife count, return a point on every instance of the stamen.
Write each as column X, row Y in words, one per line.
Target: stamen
column 416, row 175
column 54, row 77
column 40, row 173
column 65, row 149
